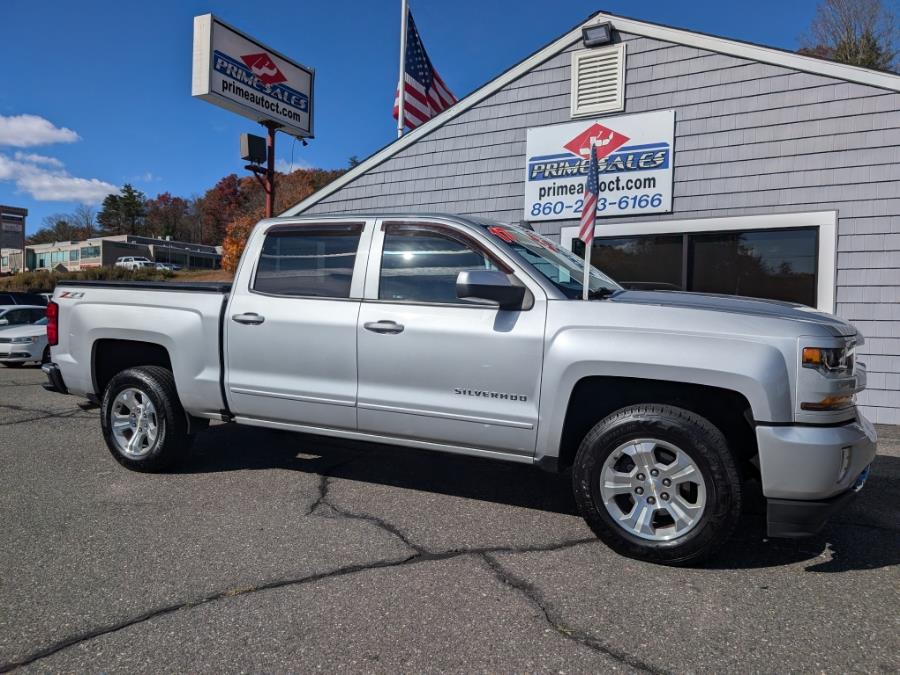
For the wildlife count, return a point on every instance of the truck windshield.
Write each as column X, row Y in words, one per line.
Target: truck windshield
column 561, row 267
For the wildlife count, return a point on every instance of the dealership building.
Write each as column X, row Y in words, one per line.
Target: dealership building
column 726, row 167
column 73, row 256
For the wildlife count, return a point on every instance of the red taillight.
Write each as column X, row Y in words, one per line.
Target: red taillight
column 52, row 323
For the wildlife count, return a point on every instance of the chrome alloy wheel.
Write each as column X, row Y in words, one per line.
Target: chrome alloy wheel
column 653, row 489
column 134, row 423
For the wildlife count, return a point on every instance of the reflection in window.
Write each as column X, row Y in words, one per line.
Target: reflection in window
column 772, row 264
column 776, row 264
column 419, row 265
column 309, row 261
column 646, row 263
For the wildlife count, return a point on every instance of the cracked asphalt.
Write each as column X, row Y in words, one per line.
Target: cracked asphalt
column 267, row 551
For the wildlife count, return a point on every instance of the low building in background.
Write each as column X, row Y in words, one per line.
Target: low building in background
column 72, row 256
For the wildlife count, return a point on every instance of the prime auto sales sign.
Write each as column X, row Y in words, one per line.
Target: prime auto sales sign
column 635, row 161
column 238, row 73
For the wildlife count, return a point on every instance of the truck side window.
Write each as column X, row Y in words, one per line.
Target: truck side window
column 308, row 261
column 421, row 265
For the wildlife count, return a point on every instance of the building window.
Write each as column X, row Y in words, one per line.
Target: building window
column 421, row 265
column 90, row 251
column 788, row 257
column 73, row 254
column 649, row 261
column 312, row 261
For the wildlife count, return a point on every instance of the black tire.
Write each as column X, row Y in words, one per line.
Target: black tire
column 45, row 357
column 705, row 446
column 171, row 440
column 13, row 364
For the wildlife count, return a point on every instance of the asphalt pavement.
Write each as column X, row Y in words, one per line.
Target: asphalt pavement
column 269, row 551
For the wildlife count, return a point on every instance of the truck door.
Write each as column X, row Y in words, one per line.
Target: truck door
column 291, row 325
column 437, row 368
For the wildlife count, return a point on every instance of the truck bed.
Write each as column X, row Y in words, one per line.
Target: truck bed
column 97, row 318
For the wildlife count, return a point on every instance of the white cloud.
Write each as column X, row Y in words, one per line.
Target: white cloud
column 23, row 131
column 285, row 166
column 49, row 182
column 34, row 158
column 146, row 177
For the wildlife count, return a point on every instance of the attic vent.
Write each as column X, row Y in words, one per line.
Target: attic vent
column 598, row 80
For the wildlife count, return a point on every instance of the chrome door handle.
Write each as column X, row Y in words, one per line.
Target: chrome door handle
column 384, row 327
column 250, row 318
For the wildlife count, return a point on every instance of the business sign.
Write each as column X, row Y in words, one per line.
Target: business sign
column 12, row 235
column 235, row 72
column 635, row 160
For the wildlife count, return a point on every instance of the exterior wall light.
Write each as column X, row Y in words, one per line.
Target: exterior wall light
column 596, row 35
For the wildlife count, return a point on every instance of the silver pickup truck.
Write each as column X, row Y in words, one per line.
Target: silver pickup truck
column 470, row 336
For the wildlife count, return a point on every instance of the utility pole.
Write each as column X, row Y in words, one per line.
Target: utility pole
column 254, row 154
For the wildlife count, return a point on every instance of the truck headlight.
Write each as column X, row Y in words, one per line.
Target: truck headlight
column 23, row 340
column 830, row 361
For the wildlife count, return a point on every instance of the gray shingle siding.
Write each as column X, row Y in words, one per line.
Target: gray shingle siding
column 751, row 138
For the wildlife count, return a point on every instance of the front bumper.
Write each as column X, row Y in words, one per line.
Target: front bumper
column 21, row 352
column 810, row 472
column 54, row 379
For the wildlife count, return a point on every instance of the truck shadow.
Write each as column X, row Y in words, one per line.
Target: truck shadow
column 866, row 536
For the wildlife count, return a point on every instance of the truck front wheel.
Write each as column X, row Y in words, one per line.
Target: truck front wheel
column 658, row 483
column 143, row 423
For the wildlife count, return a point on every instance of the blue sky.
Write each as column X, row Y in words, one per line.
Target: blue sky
column 106, row 83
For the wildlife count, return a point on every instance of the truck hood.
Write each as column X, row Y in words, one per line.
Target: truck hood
column 26, row 330
column 771, row 309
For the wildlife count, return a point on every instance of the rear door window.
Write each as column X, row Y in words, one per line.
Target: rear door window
column 308, row 261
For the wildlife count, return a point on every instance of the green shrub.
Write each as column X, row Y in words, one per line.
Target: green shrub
column 45, row 282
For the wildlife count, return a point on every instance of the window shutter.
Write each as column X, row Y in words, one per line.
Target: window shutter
column 598, row 80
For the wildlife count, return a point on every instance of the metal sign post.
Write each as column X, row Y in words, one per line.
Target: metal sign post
column 266, row 176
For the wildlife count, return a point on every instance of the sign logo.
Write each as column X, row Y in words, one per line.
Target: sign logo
column 603, row 138
column 264, row 68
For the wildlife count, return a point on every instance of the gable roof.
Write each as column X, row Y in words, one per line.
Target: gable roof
column 736, row 48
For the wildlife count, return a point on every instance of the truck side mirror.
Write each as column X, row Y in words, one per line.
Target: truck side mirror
column 490, row 285
column 4, row 322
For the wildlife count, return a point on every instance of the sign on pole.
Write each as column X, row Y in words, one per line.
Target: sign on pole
column 235, row 72
column 635, row 166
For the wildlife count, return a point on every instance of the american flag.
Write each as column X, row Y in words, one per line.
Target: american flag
column 425, row 94
column 591, row 192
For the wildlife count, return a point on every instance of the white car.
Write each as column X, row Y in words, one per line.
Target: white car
column 133, row 262
column 24, row 343
column 20, row 315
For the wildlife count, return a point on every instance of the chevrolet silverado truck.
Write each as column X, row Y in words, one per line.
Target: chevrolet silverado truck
column 469, row 336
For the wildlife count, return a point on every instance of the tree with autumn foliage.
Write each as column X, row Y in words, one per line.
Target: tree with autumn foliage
column 289, row 190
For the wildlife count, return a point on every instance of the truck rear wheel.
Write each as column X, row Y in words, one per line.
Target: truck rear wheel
column 143, row 423
column 658, row 483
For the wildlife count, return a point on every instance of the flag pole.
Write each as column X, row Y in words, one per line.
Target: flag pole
column 401, row 81
column 586, row 284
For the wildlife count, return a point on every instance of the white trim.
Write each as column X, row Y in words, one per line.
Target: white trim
column 826, row 221
column 616, row 105
column 743, row 50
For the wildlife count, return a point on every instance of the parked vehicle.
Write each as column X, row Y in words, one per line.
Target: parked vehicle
column 20, row 315
column 19, row 298
column 25, row 343
column 134, row 262
column 164, row 266
column 469, row 336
